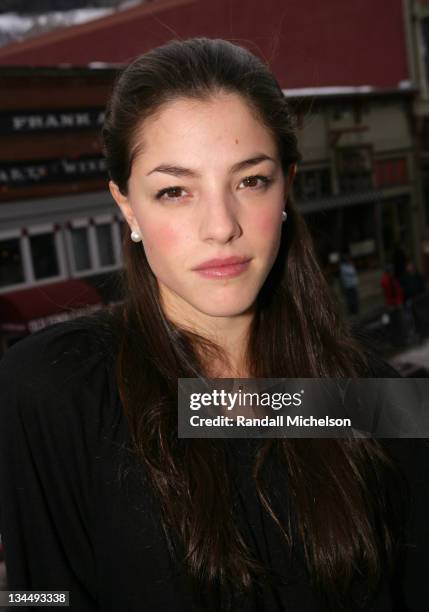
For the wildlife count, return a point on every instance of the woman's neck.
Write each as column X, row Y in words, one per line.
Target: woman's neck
column 230, row 333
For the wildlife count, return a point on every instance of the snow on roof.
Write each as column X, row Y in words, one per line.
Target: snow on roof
column 318, row 92
column 326, row 91
column 16, row 27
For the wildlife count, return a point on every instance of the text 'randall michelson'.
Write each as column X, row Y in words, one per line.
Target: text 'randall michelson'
column 266, row 421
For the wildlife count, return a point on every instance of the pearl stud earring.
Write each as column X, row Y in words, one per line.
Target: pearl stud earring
column 135, row 236
column 284, row 216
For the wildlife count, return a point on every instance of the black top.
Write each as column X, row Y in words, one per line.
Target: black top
column 75, row 513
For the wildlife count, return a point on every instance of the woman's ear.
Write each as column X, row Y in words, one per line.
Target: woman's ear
column 124, row 204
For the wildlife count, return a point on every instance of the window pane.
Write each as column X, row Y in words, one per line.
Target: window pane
column 44, row 255
column 11, row 268
column 354, row 165
column 105, row 244
column 81, row 248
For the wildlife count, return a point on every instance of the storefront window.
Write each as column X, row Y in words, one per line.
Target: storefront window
column 11, row 267
column 80, row 244
column 105, row 244
column 44, row 255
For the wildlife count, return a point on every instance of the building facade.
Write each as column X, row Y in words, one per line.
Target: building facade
column 416, row 18
column 57, row 222
column 357, row 186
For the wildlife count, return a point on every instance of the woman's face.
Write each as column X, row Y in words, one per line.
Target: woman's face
column 207, row 183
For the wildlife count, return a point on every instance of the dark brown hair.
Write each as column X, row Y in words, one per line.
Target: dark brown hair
column 337, row 487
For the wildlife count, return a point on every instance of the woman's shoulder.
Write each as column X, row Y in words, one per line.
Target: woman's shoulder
column 67, row 361
column 68, row 346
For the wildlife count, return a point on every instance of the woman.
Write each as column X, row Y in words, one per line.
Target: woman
column 98, row 494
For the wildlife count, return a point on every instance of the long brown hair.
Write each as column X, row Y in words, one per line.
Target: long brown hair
column 337, row 487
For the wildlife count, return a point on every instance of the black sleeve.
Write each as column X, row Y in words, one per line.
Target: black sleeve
column 411, row 457
column 51, row 388
column 411, row 584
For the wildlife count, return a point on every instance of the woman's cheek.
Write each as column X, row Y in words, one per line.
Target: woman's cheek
column 267, row 224
column 162, row 242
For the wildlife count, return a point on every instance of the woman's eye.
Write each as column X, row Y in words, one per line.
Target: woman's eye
column 176, row 193
column 257, row 181
column 173, row 193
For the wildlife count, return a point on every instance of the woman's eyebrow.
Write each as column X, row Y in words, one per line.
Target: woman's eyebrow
column 181, row 171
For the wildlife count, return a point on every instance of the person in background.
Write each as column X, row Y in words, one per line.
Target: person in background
column 392, row 290
column 349, row 284
column 412, row 282
column 394, row 300
column 414, row 286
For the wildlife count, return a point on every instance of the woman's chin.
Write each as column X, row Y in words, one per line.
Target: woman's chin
column 225, row 303
column 226, row 309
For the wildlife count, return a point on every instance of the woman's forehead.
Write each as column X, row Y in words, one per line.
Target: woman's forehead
column 196, row 129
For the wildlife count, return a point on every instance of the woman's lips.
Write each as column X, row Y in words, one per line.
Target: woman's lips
column 227, row 271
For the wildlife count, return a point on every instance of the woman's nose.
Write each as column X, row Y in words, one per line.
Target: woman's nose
column 219, row 220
